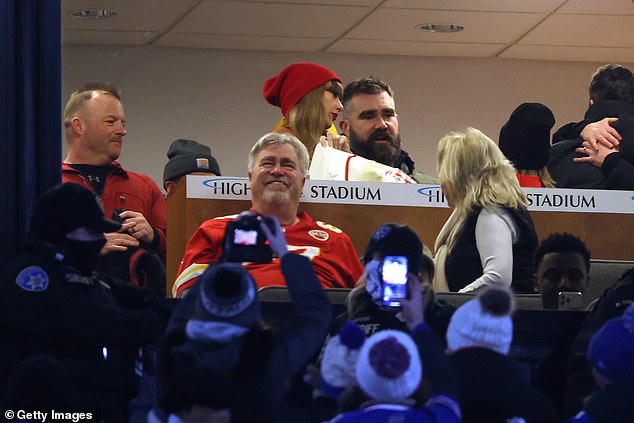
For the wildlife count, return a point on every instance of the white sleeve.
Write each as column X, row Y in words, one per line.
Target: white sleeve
column 495, row 234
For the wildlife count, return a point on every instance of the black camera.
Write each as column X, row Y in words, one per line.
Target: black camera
column 116, row 215
column 245, row 241
column 117, row 218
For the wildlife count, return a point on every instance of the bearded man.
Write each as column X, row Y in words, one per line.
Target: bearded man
column 370, row 123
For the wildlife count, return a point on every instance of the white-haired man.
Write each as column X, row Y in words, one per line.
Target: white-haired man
column 278, row 167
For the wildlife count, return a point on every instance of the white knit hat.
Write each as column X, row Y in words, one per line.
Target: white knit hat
column 389, row 366
column 483, row 322
column 340, row 357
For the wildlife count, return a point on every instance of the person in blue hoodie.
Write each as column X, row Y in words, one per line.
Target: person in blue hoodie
column 611, row 353
column 217, row 325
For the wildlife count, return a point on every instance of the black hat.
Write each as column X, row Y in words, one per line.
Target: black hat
column 525, row 138
column 392, row 239
column 187, row 156
column 67, row 207
column 227, row 293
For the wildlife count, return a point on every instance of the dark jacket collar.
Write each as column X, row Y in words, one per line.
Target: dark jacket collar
column 405, row 163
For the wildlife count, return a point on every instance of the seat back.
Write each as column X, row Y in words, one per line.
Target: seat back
column 522, row 301
column 603, row 274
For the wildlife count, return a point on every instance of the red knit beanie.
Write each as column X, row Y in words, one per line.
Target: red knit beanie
column 294, row 82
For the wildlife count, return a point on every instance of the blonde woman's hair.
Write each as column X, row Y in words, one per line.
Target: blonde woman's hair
column 543, row 175
column 308, row 119
column 475, row 173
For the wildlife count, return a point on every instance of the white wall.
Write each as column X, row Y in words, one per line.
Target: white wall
column 215, row 97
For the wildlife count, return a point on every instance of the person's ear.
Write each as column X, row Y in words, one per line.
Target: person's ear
column 344, row 126
column 77, row 125
column 535, row 285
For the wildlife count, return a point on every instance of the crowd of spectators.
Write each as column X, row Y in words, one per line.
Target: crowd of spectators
column 86, row 298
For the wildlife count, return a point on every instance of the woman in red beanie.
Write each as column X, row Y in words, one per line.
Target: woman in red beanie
column 309, row 96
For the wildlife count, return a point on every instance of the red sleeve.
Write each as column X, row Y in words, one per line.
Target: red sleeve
column 156, row 216
column 347, row 263
column 204, row 247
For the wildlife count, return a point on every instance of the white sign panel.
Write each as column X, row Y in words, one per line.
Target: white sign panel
column 413, row 195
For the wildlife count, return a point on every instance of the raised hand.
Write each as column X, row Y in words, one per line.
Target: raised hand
column 271, row 227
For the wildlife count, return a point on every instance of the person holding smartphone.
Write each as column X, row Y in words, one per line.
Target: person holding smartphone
column 277, row 171
column 394, row 259
column 218, row 325
column 562, row 266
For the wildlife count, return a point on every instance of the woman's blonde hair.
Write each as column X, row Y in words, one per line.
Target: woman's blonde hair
column 475, row 173
column 308, row 119
column 543, row 175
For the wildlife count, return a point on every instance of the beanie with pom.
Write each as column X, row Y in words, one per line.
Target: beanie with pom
column 484, row 322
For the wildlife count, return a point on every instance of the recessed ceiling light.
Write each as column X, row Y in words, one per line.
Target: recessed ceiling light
column 94, row 13
column 430, row 27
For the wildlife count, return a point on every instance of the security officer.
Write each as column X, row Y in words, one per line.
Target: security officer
column 52, row 302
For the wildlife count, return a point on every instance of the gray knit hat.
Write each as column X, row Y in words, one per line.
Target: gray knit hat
column 187, row 156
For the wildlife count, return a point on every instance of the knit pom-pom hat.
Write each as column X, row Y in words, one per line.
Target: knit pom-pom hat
column 484, row 322
column 340, row 358
column 389, row 366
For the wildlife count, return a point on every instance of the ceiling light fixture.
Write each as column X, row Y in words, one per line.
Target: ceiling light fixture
column 94, row 14
column 431, row 27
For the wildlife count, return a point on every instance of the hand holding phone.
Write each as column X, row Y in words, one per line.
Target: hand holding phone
column 413, row 308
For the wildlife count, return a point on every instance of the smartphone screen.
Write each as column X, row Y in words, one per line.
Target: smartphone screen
column 394, row 280
column 569, row 300
column 245, row 237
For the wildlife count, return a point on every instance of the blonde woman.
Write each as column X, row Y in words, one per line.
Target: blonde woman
column 489, row 238
column 309, row 96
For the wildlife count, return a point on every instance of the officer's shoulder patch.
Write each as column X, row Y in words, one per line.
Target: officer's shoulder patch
column 32, row 279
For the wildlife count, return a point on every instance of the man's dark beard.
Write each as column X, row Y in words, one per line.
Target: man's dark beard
column 386, row 154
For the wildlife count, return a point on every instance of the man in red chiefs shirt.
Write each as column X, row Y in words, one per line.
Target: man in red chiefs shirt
column 278, row 166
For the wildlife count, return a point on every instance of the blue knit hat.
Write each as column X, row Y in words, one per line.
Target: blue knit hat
column 611, row 349
column 228, row 294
